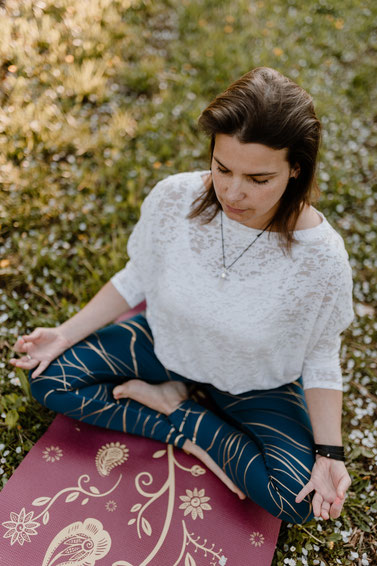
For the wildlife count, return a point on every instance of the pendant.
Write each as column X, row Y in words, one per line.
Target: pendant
column 223, row 278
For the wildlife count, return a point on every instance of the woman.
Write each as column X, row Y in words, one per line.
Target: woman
column 248, row 288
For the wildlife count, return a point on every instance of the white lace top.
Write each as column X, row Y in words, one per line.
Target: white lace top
column 275, row 318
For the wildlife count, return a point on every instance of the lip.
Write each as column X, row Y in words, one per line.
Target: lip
column 235, row 210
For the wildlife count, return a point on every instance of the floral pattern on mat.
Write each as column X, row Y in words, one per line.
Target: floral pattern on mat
column 159, row 506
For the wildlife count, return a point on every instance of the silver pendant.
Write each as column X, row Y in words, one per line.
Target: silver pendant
column 223, row 277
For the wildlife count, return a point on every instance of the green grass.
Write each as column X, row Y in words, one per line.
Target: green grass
column 99, row 101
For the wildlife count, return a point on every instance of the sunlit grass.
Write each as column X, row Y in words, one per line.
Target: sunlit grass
column 99, row 101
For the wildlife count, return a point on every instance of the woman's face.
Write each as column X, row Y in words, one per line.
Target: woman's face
column 249, row 179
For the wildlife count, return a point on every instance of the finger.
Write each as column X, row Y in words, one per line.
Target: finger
column 304, row 492
column 40, row 369
column 325, row 510
column 336, row 508
column 317, row 504
column 33, row 336
column 343, row 485
column 24, row 362
column 18, row 345
column 24, row 347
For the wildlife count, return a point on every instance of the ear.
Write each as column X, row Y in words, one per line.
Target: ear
column 295, row 171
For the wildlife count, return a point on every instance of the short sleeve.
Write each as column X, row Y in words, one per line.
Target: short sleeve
column 322, row 362
column 130, row 281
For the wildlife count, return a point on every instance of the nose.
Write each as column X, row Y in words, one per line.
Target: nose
column 234, row 191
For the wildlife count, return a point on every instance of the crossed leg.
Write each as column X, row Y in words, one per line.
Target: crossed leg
column 87, row 383
column 166, row 398
column 264, row 452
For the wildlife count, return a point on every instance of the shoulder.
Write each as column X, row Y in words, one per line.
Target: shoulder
column 309, row 218
column 334, row 248
column 321, row 244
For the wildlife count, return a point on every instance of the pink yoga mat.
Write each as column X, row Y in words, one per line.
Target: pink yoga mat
column 88, row 496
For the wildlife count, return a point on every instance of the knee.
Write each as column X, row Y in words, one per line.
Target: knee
column 303, row 513
column 35, row 386
column 40, row 388
column 286, row 507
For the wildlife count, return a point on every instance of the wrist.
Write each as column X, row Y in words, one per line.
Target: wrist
column 319, row 457
column 67, row 335
column 334, row 452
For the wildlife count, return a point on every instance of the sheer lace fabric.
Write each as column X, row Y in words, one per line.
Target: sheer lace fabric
column 275, row 318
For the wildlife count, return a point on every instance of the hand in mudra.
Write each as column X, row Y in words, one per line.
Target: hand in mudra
column 330, row 480
column 43, row 345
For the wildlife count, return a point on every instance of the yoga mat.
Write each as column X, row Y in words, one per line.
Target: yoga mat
column 88, row 496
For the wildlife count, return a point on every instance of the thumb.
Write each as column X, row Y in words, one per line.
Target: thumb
column 33, row 335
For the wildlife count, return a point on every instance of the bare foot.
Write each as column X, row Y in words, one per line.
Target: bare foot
column 165, row 398
column 162, row 397
column 204, row 457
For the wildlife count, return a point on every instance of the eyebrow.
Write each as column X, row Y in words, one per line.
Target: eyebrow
column 249, row 174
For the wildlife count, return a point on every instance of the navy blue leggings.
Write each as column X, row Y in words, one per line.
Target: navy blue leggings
column 262, row 439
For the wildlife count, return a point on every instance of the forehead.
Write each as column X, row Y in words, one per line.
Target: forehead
column 241, row 156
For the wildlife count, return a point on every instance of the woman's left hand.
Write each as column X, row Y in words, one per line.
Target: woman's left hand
column 330, row 480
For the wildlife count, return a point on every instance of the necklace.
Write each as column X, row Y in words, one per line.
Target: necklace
column 224, row 273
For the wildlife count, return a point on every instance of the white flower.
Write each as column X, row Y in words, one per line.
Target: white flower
column 111, row 505
column 257, row 539
column 195, row 503
column 20, row 527
column 52, row 453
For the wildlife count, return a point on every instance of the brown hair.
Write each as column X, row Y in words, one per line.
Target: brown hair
column 265, row 107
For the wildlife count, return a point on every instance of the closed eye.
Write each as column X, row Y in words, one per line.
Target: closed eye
column 250, row 178
column 258, row 182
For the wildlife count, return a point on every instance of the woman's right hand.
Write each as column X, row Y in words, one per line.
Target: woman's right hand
column 43, row 345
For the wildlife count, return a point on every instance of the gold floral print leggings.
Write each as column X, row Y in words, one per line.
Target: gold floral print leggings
column 262, row 439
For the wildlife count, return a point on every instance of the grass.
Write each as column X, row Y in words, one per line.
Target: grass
column 98, row 101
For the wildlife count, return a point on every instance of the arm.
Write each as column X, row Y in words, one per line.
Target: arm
column 325, row 411
column 45, row 344
column 102, row 309
column 329, row 477
column 322, row 374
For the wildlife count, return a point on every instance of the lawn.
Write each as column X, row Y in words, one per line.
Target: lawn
column 99, row 100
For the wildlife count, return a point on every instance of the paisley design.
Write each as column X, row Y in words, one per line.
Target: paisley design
column 109, row 456
column 79, row 544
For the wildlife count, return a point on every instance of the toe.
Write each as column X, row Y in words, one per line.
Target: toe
column 120, row 391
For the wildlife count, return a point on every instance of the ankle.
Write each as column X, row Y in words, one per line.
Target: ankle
column 171, row 406
column 191, row 448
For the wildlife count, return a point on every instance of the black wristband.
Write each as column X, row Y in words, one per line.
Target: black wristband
column 333, row 452
column 339, row 449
